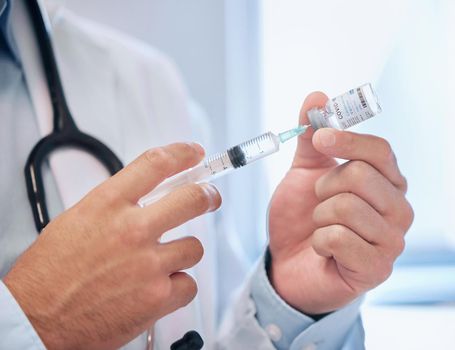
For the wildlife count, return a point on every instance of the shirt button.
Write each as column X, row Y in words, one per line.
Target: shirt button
column 311, row 346
column 274, row 332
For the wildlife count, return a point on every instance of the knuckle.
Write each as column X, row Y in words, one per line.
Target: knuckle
column 199, row 196
column 135, row 231
column 399, row 245
column 158, row 290
column 317, row 239
column 384, row 272
column 140, row 224
column 189, row 290
column 395, row 245
column 408, row 216
column 196, row 250
column 153, row 261
column 147, row 264
column 404, row 215
column 215, row 198
column 104, row 196
column 344, row 205
column 188, row 150
column 319, row 186
column 348, row 141
column 383, row 148
column 336, row 236
column 358, row 170
column 404, row 184
column 360, row 174
column 156, row 155
column 161, row 160
column 131, row 238
column 387, row 150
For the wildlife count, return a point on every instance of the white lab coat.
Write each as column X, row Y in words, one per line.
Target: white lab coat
column 130, row 97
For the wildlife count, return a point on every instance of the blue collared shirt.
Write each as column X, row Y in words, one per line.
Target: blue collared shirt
column 3, row 23
column 287, row 328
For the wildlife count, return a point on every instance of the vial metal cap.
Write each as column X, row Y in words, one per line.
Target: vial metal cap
column 316, row 118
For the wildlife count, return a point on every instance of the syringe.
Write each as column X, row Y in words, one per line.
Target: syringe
column 341, row 112
column 224, row 162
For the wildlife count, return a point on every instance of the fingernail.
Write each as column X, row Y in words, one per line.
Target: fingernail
column 212, row 194
column 198, row 147
column 327, row 137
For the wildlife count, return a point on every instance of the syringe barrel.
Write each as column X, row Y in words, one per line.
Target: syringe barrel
column 217, row 165
column 254, row 149
column 200, row 173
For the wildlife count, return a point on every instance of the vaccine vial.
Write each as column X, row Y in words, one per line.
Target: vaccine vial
column 346, row 110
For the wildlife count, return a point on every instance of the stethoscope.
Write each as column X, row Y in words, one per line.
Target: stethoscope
column 66, row 134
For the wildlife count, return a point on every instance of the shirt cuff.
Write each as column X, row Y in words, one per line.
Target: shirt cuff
column 16, row 331
column 288, row 328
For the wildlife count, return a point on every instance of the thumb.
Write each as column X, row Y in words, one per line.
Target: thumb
column 306, row 156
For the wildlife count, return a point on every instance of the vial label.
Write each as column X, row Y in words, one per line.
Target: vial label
column 351, row 108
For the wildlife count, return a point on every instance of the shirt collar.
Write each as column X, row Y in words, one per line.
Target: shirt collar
column 7, row 14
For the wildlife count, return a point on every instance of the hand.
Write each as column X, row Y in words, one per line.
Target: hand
column 98, row 276
column 335, row 230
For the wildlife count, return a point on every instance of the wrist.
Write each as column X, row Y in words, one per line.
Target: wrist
column 37, row 312
column 296, row 292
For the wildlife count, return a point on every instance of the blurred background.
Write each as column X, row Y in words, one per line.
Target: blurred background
column 250, row 64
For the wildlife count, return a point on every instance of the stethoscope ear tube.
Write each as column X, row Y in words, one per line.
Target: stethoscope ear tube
column 62, row 116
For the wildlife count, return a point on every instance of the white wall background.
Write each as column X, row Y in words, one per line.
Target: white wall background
column 399, row 46
column 191, row 32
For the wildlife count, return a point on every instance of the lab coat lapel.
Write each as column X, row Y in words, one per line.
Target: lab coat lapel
column 89, row 82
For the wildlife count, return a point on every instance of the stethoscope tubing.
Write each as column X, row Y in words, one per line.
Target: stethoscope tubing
column 65, row 133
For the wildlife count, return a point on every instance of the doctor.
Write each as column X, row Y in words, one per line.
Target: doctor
column 97, row 278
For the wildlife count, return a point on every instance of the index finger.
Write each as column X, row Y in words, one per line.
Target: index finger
column 368, row 148
column 152, row 167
